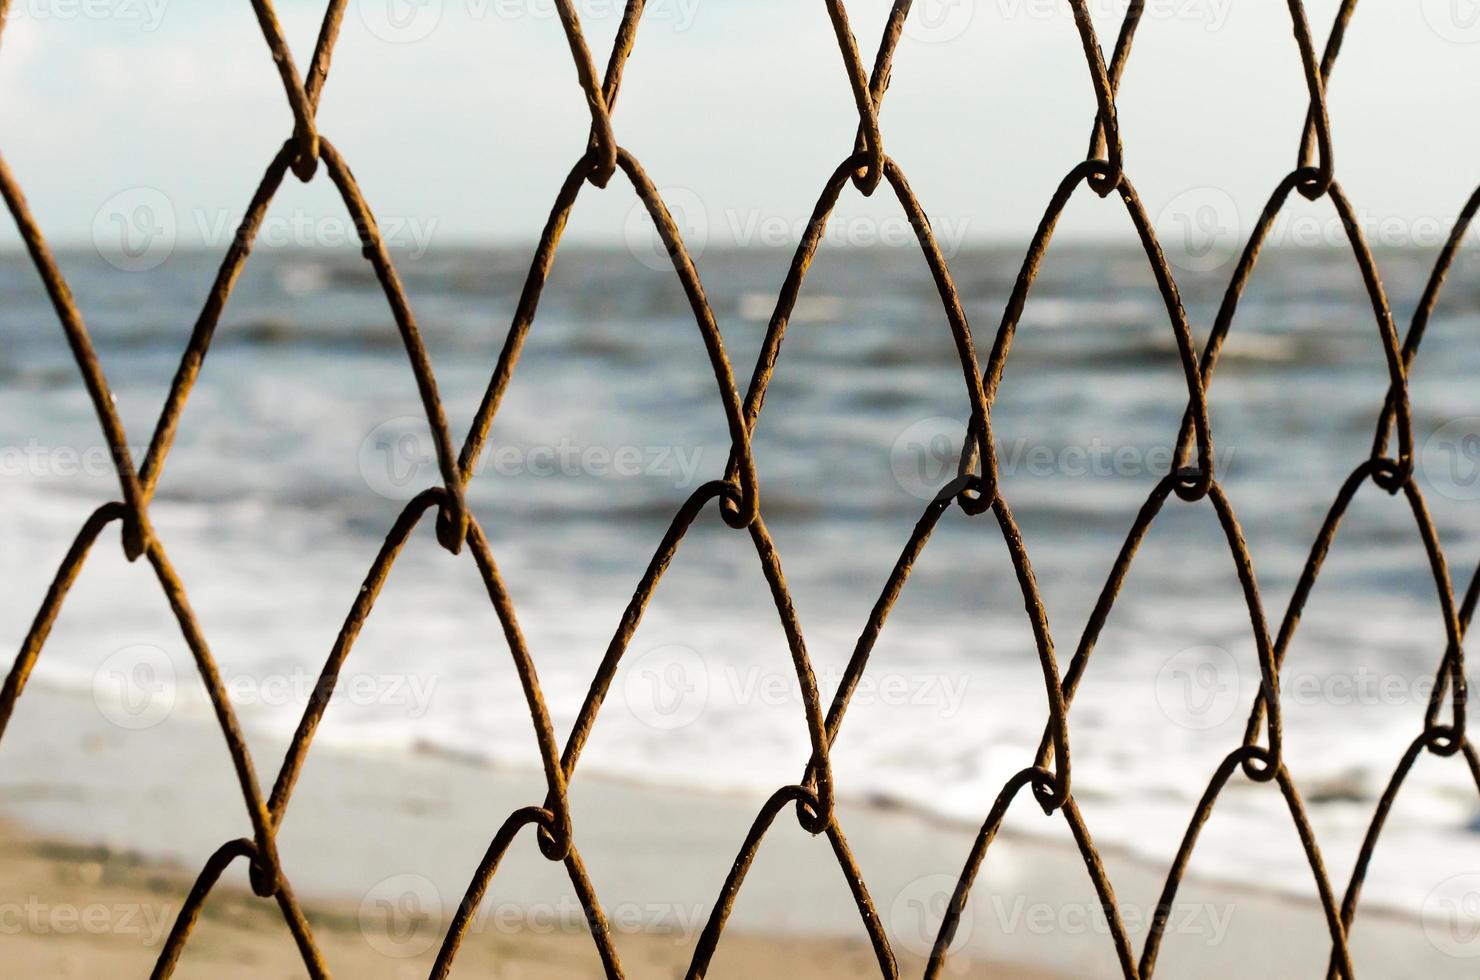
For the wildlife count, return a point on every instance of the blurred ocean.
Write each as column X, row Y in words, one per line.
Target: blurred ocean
column 304, row 437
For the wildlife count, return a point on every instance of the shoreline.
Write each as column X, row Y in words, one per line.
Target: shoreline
column 90, row 807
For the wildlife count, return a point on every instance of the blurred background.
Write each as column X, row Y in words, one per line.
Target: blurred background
column 139, row 130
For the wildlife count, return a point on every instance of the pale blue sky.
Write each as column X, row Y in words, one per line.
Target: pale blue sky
column 739, row 105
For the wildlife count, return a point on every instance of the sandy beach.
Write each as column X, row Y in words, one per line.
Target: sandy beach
column 106, row 913
column 102, row 841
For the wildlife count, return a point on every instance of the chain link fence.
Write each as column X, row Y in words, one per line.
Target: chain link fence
column 737, row 497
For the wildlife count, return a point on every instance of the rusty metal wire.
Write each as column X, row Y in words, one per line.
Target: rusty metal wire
column 975, row 490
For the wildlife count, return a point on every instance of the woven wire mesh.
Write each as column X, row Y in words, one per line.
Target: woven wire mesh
column 975, row 490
